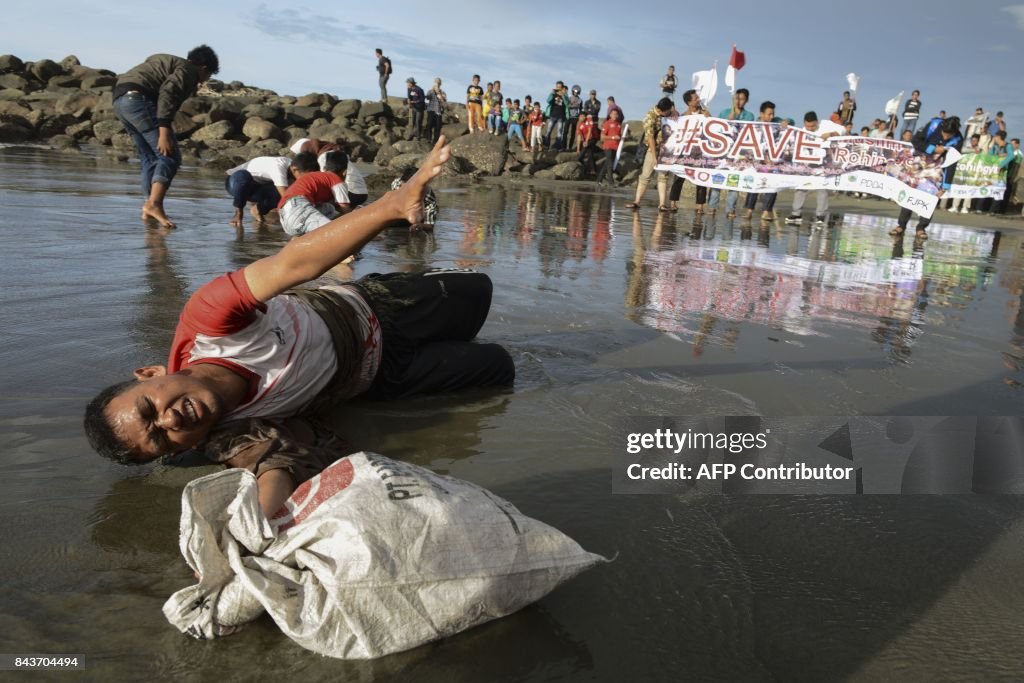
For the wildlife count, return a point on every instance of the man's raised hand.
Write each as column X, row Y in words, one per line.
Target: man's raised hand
column 410, row 195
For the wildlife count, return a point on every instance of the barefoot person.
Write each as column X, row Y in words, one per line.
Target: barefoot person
column 146, row 98
column 249, row 348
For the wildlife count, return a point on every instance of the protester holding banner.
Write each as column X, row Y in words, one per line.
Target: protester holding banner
column 800, row 196
column 939, row 136
column 767, row 115
column 963, row 204
column 737, row 112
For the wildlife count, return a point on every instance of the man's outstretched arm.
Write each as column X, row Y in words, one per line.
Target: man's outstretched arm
column 308, row 257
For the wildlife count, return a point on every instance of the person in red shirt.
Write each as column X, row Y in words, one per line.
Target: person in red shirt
column 316, row 197
column 587, row 134
column 536, row 119
column 611, row 135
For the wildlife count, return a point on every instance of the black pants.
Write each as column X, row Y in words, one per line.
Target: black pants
column 676, row 191
column 588, row 157
column 433, row 126
column 767, row 203
column 570, row 132
column 357, row 199
column 427, row 321
column 607, row 171
column 904, row 218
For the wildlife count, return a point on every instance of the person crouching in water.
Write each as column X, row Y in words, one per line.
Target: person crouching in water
column 316, row 197
column 261, row 182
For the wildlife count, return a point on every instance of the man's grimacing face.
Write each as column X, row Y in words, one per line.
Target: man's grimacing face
column 164, row 414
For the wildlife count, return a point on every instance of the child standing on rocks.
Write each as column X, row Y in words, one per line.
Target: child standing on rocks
column 536, row 128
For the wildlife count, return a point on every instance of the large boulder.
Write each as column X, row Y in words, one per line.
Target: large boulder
column 229, row 109
column 98, row 80
column 64, row 81
column 10, row 63
column 348, row 109
column 568, row 170
column 332, row 132
column 13, row 132
column 454, row 130
column 384, row 155
column 374, row 110
column 12, row 94
column 295, row 133
column 486, row 153
column 45, row 69
column 80, row 130
column 257, row 129
column 184, row 125
column 195, row 106
column 303, row 115
column 13, row 112
column 456, row 166
column 406, row 161
column 62, row 141
column 48, row 126
column 15, row 81
column 220, row 130
column 263, row 111
column 566, row 157
column 408, row 146
column 104, row 131
column 80, row 104
column 315, row 99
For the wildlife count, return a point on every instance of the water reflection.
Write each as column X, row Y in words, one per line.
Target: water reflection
column 805, row 281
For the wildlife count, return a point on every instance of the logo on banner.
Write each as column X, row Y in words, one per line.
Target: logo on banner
column 852, row 178
column 902, row 196
column 748, row 182
column 734, row 180
column 984, row 191
column 718, row 178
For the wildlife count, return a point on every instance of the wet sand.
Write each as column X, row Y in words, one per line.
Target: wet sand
column 607, row 313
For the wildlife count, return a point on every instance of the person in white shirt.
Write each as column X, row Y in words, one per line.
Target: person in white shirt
column 261, row 182
column 355, row 183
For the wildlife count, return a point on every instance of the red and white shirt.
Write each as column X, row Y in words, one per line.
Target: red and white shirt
column 282, row 347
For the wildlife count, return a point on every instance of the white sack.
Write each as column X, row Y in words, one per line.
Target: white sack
column 374, row 556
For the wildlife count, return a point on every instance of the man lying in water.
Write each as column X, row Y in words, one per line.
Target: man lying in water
column 250, row 352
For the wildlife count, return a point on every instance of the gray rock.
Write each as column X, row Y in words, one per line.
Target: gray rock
column 194, row 106
column 79, row 131
column 565, row 157
column 332, row 132
column 98, row 81
column 63, row 142
column 45, row 69
column 264, row 111
column 486, row 153
column 265, row 148
column 65, row 81
column 303, row 116
column 69, row 63
column 384, row 155
column 295, row 133
column 408, row 146
column 214, row 85
column 14, row 112
column 258, row 129
column 48, row 126
column 219, row 130
column 10, row 63
column 184, row 125
column 80, row 104
column 104, row 131
column 374, row 110
column 14, row 132
column 228, row 109
column 456, row 166
column 314, row 100
column 452, row 131
column 348, row 109
column 385, row 136
column 402, row 162
column 122, row 141
column 13, row 81
column 221, row 145
column 568, row 170
column 11, row 94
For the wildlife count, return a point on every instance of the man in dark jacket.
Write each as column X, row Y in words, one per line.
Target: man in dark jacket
column 417, row 105
column 146, row 99
column 936, row 138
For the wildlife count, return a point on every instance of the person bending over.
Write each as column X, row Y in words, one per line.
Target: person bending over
column 316, row 197
column 250, row 352
column 355, row 182
column 261, row 182
column 146, row 99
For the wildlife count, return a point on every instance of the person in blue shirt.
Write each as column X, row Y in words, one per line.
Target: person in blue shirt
column 936, row 138
column 996, row 125
column 737, row 112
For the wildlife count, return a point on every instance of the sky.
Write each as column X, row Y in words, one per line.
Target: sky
column 960, row 55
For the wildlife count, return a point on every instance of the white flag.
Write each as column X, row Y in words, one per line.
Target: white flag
column 730, row 78
column 706, row 84
column 853, row 80
column 893, row 105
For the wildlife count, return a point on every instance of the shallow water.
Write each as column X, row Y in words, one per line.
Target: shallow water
column 607, row 313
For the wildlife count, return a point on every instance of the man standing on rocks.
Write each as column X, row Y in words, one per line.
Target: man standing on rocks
column 383, row 73
column 146, row 99
column 417, row 105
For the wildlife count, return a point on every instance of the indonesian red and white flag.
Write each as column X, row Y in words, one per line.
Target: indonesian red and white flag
column 736, row 62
